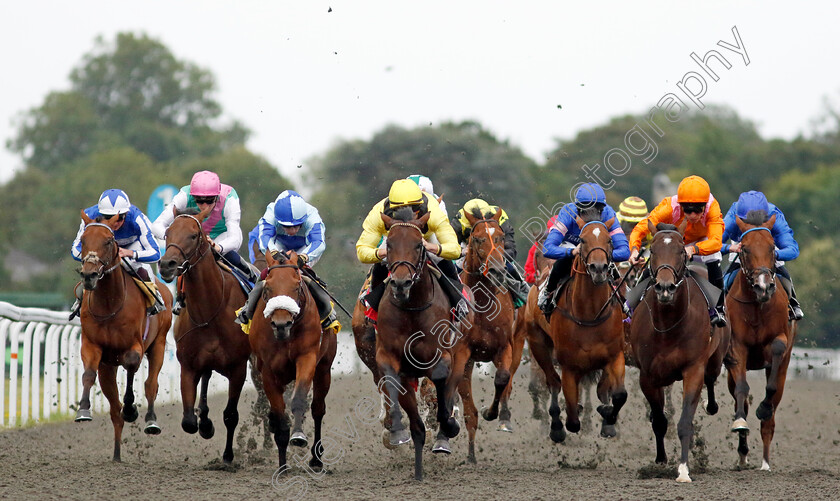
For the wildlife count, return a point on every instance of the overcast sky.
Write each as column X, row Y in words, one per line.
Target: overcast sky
column 301, row 76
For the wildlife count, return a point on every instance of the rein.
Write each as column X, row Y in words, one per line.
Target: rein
column 101, row 272
column 484, row 269
column 301, row 302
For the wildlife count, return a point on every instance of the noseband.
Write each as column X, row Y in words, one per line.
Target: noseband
column 187, row 263
column 94, row 258
column 752, row 274
column 417, row 269
column 679, row 275
column 301, row 299
column 484, row 270
column 605, row 250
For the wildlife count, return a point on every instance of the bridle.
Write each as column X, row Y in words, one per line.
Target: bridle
column 301, row 294
column 416, row 269
column 752, row 274
column 606, row 250
column 200, row 249
column 484, row 269
column 102, row 271
column 680, row 274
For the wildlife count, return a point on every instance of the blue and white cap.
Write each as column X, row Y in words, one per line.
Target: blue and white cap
column 113, row 201
column 290, row 208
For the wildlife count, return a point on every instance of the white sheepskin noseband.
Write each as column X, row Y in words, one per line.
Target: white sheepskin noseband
column 281, row 303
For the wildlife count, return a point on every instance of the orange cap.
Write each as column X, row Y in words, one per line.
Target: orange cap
column 693, row 189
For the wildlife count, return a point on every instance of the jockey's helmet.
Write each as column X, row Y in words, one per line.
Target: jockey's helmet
column 290, row 209
column 404, row 192
column 590, row 195
column 205, row 184
column 423, row 182
column 632, row 210
column 112, row 202
column 751, row 201
column 483, row 207
column 693, row 190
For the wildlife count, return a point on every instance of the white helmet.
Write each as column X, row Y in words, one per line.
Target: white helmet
column 113, row 201
column 423, row 182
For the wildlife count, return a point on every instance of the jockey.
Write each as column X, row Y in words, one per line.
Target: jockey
column 693, row 202
column 630, row 212
column 221, row 225
column 563, row 241
column 289, row 223
column 404, row 193
column 481, row 209
column 752, row 206
column 133, row 234
column 530, row 262
column 428, row 188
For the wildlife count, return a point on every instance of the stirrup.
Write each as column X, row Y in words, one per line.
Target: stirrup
column 795, row 312
column 717, row 317
column 75, row 310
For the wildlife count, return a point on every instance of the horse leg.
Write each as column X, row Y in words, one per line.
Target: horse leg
column 155, row 356
column 91, row 356
column 541, row 352
column 205, row 425
column 260, row 407
column 470, row 410
column 538, row 391
column 278, row 421
column 408, row 400
column 517, row 346
column 230, row 416
column 131, row 362
column 108, row 385
column 765, row 409
column 571, row 385
column 502, row 362
column 692, row 389
column 610, row 387
column 658, row 421
column 189, row 423
column 320, row 388
column 740, row 389
column 768, row 426
column 743, row 446
column 447, row 381
column 304, row 373
column 390, row 388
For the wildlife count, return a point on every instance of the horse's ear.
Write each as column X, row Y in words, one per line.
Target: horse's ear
column 651, row 227
column 425, row 219
column 610, row 222
column 472, row 219
column 269, row 259
column 579, row 221
column 175, row 211
column 387, row 220
column 742, row 225
column 86, row 218
column 293, row 257
column 681, row 228
column 498, row 215
column 201, row 216
column 770, row 222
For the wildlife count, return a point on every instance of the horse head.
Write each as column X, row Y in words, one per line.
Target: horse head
column 283, row 293
column 758, row 253
column 406, row 252
column 185, row 243
column 595, row 246
column 100, row 252
column 667, row 260
column 486, row 247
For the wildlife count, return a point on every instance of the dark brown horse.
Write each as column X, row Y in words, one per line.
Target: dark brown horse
column 289, row 344
column 206, row 337
column 490, row 337
column 116, row 331
column 672, row 340
column 762, row 335
column 587, row 335
column 415, row 335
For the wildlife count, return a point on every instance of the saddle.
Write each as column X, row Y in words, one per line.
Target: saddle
column 148, row 288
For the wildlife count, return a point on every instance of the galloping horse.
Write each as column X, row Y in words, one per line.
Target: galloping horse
column 672, row 339
column 290, row 345
column 206, row 337
column 762, row 336
column 415, row 335
column 490, row 337
column 116, row 330
column 587, row 335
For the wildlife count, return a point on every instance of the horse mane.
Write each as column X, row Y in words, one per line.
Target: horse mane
column 476, row 212
column 403, row 214
column 756, row 217
column 665, row 226
column 188, row 211
column 589, row 214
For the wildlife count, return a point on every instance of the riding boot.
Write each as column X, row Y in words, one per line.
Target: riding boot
column 718, row 313
column 451, row 284
column 77, row 305
column 326, row 311
column 517, row 287
column 178, row 303
column 378, row 274
column 795, row 310
column 158, row 306
column 246, row 313
column 560, row 269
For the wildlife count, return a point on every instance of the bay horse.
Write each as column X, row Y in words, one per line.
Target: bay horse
column 116, row 330
column 490, row 337
column 290, row 345
column 206, row 337
column 672, row 339
column 762, row 335
column 415, row 335
column 587, row 335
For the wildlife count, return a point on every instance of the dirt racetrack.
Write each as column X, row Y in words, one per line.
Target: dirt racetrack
column 73, row 461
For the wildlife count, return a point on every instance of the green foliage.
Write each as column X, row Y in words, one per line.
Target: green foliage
column 808, row 200
column 816, row 276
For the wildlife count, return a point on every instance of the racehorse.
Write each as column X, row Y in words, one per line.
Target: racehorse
column 206, row 337
column 672, row 339
column 489, row 338
column 762, row 335
column 116, row 330
column 290, row 346
column 587, row 335
column 415, row 335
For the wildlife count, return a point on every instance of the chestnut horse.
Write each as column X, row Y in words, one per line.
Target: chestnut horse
column 415, row 335
column 206, row 337
column 490, row 337
column 672, row 339
column 116, row 330
column 762, row 335
column 587, row 335
column 290, row 345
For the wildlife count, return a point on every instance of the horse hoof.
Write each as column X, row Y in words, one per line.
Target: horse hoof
column 489, row 416
column 682, row 473
column 605, row 410
column 441, row 446
column 206, row 431
column 740, row 424
column 398, row 438
column 189, row 426
column 765, row 466
column 557, row 436
column 453, row 428
column 152, row 428
column 83, row 415
column 573, row 427
column 386, row 440
column 298, row 439
column 608, row 431
column 764, row 411
column 711, row 408
column 506, row 426
column 130, row 414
